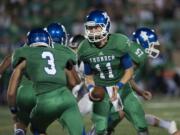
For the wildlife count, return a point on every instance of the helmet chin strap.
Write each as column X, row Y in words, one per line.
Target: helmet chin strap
column 101, row 43
column 98, row 44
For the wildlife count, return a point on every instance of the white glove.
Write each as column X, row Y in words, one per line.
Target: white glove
column 76, row 89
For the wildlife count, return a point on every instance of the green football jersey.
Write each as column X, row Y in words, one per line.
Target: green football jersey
column 138, row 61
column 16, row 56
column 15, row 60
column 67, row 50
column 105, row 62
column 44, row 66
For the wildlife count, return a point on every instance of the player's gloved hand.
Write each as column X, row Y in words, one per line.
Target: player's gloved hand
column 146, row 95
column 76, row 89
column 14, row 109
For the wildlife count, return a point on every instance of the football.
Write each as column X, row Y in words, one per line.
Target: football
column 97, row 94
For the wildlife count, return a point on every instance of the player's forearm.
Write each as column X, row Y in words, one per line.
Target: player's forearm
column 13, row 84
column 75, row 74
column 73, row 80
column 5, row 64
column 127, row 75
column 135, row 87
column 89, row 80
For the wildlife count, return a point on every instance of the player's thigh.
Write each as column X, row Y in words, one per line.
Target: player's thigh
column 26, row 98
column 134, row 111
column 103, row 107
column 100, row 114
column 25, row 101
column 40, row 122
column 49, row 107
column 72, row 120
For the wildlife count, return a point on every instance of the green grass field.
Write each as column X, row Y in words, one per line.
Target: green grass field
column 166, row 108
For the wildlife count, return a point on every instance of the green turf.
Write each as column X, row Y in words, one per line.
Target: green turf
column 165, row 108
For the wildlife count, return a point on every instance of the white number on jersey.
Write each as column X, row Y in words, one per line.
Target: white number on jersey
column 108, row 66
column 139, row 52
column 51, row 69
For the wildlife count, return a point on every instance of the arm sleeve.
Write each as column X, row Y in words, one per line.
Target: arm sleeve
column 137, row 53
column 72, row 59
column 87, row 69
column 17, row 58
column 126, row 61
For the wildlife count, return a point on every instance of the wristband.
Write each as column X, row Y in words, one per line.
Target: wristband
column 120, row 85
column 13, row 109
column 90, row 87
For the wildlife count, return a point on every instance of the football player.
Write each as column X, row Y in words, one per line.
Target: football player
column 85, row 105
column 107, row 64
column 80, row 89
column 59, row 41
column 45, row 67
column 25, row 99
column 147, row 38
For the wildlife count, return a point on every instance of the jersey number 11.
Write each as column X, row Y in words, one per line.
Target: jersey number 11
column 108, row 66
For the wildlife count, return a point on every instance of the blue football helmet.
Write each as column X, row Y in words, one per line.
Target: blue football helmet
column 75, row 41
column 58, row 33
column 148, row 39
column 38, row 37
column 94, row 19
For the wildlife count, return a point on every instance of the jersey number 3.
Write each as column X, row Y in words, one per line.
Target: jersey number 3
column 50, row 69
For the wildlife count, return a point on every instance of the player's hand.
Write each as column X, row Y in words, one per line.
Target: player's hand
column 147, row 95
column 114, row 93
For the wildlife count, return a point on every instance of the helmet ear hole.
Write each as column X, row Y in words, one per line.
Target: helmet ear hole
column 97, row 18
